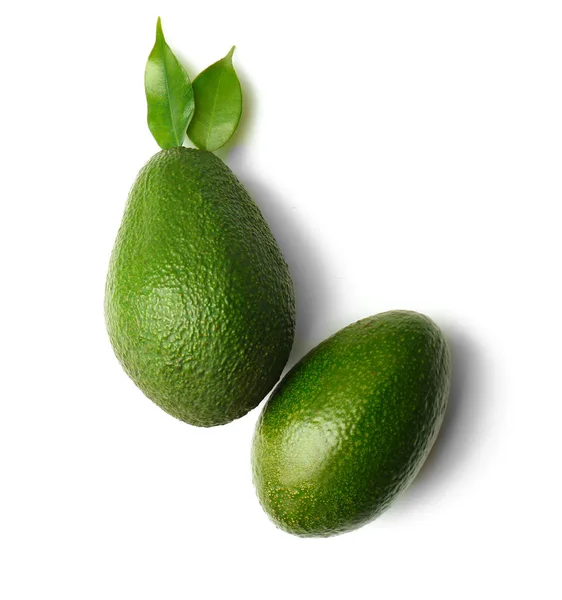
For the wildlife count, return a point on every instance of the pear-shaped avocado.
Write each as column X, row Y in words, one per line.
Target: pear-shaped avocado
column 199, row 302
column 350, row 425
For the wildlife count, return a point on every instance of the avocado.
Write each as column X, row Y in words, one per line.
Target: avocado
column 348, row 428
column 199, row 302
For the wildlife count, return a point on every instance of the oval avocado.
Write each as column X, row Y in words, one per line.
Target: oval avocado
column 348, row 428
column 199, row 301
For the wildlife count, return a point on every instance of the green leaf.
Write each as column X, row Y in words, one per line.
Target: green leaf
column 169, row 94
column 218, row 105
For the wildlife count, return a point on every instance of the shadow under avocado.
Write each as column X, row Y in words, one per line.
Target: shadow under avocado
column 308, row 268
column 461, row 426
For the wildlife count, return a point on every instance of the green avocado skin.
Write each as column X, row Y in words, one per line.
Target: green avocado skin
column 348, row 428
column 199, row 302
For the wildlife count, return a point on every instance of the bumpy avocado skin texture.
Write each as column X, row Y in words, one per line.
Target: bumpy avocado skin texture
column 348, row 428
column 199, row 301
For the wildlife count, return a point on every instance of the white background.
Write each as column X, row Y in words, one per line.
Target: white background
column 407, row 155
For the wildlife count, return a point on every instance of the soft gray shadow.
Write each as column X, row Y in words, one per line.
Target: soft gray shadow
column 249, row 107
column 308, row 268
column 246, row 124
column 464, row 420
